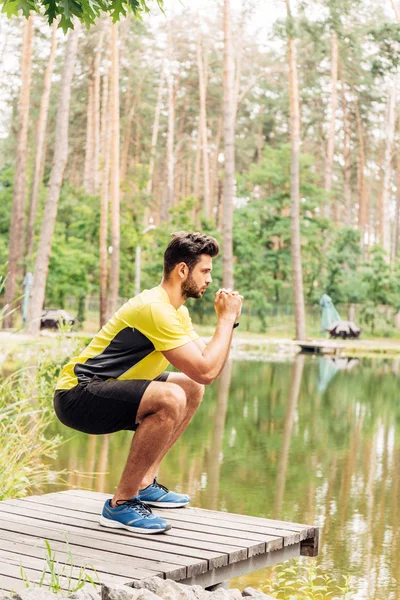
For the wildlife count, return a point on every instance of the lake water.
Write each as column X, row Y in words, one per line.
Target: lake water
column 315, row 440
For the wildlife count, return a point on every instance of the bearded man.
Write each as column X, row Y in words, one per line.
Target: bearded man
column 119, row 381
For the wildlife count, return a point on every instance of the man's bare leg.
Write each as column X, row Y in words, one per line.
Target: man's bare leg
column 162, row 407
column 194, row 394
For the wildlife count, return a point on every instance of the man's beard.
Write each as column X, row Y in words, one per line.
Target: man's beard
column 190, row 289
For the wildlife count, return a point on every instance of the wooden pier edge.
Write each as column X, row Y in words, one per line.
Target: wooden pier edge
column 204, row 547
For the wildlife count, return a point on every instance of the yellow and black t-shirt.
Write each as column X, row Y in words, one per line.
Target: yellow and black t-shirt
column 130, row 345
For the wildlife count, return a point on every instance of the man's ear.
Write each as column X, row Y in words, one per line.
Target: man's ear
column 183, row 270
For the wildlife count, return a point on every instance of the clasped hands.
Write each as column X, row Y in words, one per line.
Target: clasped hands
column 227, row 303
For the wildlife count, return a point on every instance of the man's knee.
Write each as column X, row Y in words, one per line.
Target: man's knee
column 195, row 394
column 173, row 401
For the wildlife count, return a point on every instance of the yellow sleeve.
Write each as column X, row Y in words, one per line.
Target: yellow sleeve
column 160, row 323
column 189, row 325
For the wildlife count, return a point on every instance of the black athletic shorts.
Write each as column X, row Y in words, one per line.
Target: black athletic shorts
column 102, row 406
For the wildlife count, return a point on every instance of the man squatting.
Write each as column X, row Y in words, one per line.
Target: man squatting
column 119, row 380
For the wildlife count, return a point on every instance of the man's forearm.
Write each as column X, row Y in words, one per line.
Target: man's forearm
column 217, row 350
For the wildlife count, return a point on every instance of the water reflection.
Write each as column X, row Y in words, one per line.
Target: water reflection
column 268, row 441
column 295, row 381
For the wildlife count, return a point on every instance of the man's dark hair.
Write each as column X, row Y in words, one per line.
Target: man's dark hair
column 188, row 247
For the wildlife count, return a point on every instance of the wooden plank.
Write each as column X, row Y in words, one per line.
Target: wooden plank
column 170, row 570
column 298, row 527
column 92, row 506
column 218, row 554
column 101, row 560
column 238, row 549
column 9, row 584
column 215, row 559
column 186, row 514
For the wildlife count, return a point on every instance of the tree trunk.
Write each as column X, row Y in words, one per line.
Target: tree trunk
column 260, row 142
column 40, row 142
column 96, row 114
column 299, row 309
column 214, row 167
column 362, row 205
column 384, row 215
column 170, row 143
column 396, row 232
column 56, row 177
column 229, row 150
column 127, row 136
column 115, row 173
column 154, row 137
column 197, row 166
column 15, row 251
column 105, row 182
column 348, row 217
column 203, row 128
column 332, row 122
column 89, row 148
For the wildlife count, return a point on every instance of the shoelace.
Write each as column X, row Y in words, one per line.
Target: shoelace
column 141, row 507
column 158, row 485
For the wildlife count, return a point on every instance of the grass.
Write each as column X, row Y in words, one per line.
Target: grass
column 63, row 578
column 24, row 446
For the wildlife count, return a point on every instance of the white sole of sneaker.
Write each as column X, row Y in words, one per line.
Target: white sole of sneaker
column 116, row 525
column 166, row 504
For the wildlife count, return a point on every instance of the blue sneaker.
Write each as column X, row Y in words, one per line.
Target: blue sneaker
column 158, row 495
column 133, row 515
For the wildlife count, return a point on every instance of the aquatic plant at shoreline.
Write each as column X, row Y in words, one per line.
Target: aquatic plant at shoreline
column 307, row 581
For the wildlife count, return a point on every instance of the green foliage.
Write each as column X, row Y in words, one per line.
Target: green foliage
column 25, row 448
column 382, row 286
column 308, row 581
column 387, row 37
column 64, row 578
column 26, row 409
column 86, row 11
column 343, row 282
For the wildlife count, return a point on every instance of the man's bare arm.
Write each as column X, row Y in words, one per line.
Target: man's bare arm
column 204, row 366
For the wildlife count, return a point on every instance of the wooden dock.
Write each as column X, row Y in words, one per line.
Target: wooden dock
column 204, row 547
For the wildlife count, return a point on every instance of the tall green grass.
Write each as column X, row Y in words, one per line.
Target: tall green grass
column 24, row 447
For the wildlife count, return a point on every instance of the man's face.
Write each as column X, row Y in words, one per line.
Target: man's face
column 199, row 279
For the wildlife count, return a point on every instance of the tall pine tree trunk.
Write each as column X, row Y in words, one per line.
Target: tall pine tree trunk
column 16, row 243
column 203, row 128
column 115, row 173
column 214, row 167
column 384, row 215
column 56, row 178
column 170, row 143
column 332, row 121
column 154, row 136
column 348, row 216
column 362, row 205
column 105, row 182
column 297, row 272
column 96, row 114
column 89, row 146
column 397, row 214
column 229, row 149
column 40, row 142
column 130, row 105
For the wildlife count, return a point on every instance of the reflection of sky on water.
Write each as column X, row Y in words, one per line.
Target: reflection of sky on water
column 267, row 441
